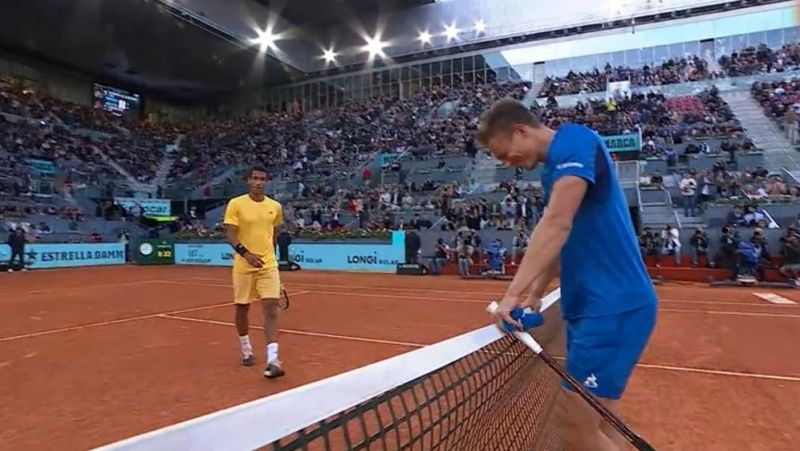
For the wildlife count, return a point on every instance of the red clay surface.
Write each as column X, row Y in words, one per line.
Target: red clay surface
column 90, row 356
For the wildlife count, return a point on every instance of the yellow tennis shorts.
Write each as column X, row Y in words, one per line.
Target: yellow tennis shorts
column 257, row 285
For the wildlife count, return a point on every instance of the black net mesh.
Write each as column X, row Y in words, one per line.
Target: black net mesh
column 500, row 397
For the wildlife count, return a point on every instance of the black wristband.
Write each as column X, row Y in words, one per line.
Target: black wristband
column 240, row 249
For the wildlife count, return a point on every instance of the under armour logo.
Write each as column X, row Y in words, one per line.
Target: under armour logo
column 591, row 381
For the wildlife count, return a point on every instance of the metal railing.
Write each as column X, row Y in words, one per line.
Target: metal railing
column 790, row 177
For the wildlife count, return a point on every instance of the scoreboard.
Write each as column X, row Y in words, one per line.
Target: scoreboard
column 115, row 100
column 155, row 252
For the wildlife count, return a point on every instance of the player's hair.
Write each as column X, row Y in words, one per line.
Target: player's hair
column 501, row 117
column 256, row 169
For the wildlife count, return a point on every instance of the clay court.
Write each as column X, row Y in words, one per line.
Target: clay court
column 94, row 355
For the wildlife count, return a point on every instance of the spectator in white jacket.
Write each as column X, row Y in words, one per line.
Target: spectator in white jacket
column 671, row 239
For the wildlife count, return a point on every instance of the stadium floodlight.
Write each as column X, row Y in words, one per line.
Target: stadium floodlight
column 451, row 31
column 479, row 26
column 329, row 55
column 265, row 40
column 375, row 47
column 424, row 37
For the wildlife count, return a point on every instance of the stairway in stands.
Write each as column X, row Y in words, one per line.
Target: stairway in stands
column 765, row 133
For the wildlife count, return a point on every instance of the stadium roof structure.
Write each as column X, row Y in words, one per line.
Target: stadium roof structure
column 316, row 14
column 135, row 44
column 203, row 49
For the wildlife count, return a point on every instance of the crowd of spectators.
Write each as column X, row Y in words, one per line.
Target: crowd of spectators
column 751, row 60
column 671, row 71
column 666, row 124
column 780, row 101
column 72, row 135
column 747, row 61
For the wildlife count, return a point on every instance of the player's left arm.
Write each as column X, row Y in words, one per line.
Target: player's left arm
column 549, row 236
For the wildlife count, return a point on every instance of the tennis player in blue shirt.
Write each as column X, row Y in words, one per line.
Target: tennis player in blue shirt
column 607, row 297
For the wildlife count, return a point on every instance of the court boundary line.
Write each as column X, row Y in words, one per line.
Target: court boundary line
column 729, row 313
column 99, row 285
column 302, row 292
column 775, row 299
column 298, row 332
column 489, row 296
column 684, row 369
column 108, row 323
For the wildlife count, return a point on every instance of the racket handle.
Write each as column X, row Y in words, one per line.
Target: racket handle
column 527, row 317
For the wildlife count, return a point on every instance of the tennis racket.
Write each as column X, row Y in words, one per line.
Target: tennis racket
column 526, row 339
column 283, row 300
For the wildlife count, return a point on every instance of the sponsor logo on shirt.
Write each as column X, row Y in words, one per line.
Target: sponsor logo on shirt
column 571, row 164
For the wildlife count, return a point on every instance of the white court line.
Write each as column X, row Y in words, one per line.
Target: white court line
column 100, row 285
column 775, row 299
column 454, row 291
column 124, row 320
column 719, row 372
column 109, row 323
column 298, row 332
column 420, row 345
column 723, row 312
column 361, row 287
column 400, row 297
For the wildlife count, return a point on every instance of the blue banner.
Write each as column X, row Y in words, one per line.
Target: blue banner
column 157, row 207
column 323, row 256
column 629, row 142
column 210, row 254
column 45, row 167
column 66, row 255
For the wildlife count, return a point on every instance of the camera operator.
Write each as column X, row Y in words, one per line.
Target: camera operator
column 790, row 251
column 650, row 244
column 760, row 242
column 728, row 245
column 519, row 244
column 698, row 245
column 441, row 253
column 464, row 256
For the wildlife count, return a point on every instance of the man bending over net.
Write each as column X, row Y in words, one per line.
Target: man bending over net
column 607, row 298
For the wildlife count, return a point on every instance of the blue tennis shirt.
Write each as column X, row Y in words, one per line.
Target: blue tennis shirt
column 602, row 272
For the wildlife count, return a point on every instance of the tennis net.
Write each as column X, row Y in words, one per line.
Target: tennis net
column 479, row 391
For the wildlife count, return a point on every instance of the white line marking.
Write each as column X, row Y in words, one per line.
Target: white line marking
column 124, row 320
column 299, row 332
column 722, row 312
column 400, row 297
column 361, row 287
column 397, row 297
column 420, row 345
column 81, row 287
column 487, row 294
column 719, row 372
column 111, row 322
column 775, row 299
column 686, row 369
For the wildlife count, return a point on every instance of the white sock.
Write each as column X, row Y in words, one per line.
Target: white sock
column 272, row 352
column 244, row 340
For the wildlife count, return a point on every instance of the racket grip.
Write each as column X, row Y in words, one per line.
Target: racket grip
column 527, row 317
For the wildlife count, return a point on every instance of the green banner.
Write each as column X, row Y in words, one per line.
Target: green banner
column 155, row 252
column 630, row 142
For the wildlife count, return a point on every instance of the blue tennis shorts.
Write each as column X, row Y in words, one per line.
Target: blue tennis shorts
column 603, row 350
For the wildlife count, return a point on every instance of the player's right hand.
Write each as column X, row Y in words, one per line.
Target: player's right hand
column 254, row 260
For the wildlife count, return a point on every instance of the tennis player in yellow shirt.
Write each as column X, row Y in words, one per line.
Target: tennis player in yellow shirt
column 251, row 221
